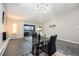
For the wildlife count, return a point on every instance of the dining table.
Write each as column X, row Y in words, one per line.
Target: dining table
column 36, row 44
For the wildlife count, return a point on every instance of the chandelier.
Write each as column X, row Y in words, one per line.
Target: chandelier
column 42, row 7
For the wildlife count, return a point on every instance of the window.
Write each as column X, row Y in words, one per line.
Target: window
column 14, row 28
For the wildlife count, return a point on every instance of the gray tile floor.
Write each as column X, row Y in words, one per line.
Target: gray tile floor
column 18, row 47
column 68, row 48
column 23, row 47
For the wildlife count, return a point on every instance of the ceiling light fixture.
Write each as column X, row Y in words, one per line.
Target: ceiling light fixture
column 42, row 7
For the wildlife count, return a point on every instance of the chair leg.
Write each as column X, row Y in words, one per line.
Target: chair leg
column 33, row 50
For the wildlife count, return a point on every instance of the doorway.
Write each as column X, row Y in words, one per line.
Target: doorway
column 28, row 29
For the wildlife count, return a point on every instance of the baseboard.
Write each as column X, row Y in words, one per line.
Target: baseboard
column 69, row 41
column 3, row 47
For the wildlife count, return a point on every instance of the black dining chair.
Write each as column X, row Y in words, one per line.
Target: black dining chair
column 34, row 35
column 50, row 47
column 35, row 47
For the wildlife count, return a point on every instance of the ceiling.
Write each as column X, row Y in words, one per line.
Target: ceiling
column 34, row 13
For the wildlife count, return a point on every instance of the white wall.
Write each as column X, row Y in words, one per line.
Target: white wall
column 1, row 26
column 20, row 27
column 67, row 26
column 19, row 24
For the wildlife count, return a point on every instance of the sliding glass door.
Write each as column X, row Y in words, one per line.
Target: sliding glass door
column 28, row 29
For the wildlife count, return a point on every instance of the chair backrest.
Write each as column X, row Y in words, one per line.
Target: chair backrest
column 39, row 37
column 34, row 35
column 52, row 44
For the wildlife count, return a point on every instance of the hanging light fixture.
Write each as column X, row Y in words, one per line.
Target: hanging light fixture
column 42, row 7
